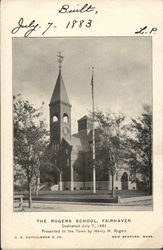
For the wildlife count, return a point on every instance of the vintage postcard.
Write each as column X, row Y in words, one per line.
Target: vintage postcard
column 82, row 124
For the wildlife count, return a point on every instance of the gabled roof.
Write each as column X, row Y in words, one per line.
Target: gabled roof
column 76, row 144
column 60, row 93
column 84, row 118
column 80, row 142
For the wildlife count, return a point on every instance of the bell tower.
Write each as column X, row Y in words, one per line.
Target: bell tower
column 60, row 111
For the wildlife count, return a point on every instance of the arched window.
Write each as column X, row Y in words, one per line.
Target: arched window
column 65, row 118
column 55, row 118
column 124, row 177
column 124, row 181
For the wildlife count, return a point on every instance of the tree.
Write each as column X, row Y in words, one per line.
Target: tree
column 19, row 177
column 110, row 143
column 140, row 148
column 49, row 165
column 30, row 139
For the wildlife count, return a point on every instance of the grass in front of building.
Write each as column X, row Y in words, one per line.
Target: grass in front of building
column 83, row 194
column 48, row 200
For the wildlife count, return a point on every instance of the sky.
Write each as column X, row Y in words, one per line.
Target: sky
column 122, row 72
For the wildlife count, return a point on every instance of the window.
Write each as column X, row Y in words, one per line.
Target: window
column 124, row 177
column 116, row 177
column 55, row 118
column 65, row 118
column 68, row 163
column 66, row 151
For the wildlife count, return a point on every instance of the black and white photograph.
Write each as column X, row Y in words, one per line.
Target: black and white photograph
column 82, row 124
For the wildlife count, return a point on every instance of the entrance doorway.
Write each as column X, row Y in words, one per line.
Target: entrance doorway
column 124, row 181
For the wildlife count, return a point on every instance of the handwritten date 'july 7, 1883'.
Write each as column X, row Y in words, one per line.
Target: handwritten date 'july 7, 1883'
column 32, row 26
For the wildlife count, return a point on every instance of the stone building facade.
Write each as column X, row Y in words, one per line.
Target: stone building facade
column 73, row 161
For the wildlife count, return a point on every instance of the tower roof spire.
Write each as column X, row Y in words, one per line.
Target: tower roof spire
column 60, row 93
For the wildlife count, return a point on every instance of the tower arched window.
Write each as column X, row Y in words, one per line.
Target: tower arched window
column 55, row 118
column 65, row 118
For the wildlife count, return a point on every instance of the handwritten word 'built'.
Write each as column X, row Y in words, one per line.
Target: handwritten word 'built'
column 85, row 8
